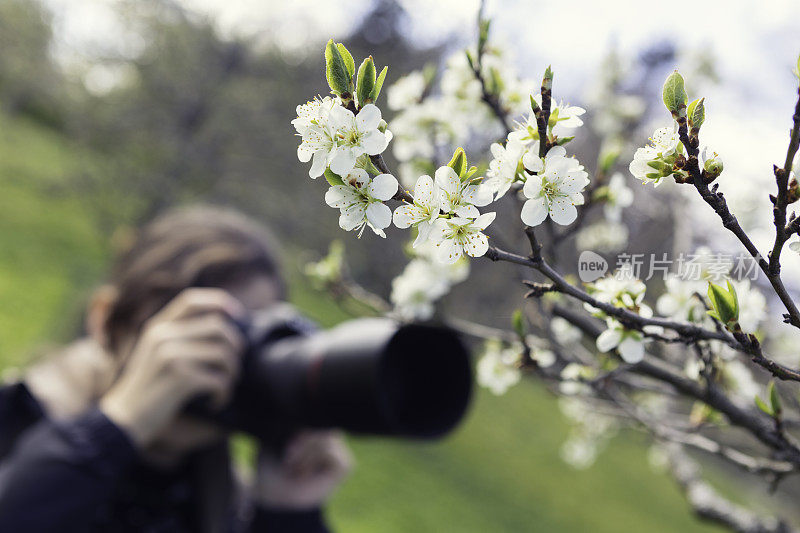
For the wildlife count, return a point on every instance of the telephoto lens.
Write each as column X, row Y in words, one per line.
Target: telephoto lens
column 366, row 376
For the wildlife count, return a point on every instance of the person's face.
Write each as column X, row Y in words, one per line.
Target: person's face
column 188, row 433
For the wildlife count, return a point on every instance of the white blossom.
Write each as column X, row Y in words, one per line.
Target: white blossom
column 752, row 305
column 680, row 301
column 406, row 91
column 421, row 284
column 360, row 201
column 663, row 144
column 565, row 333
column 423, row 212
column 457, row 236
column 795, row 246
column 504, row 168
column 603, row 235
column 572, row 376
column 555, row 189
column 563, row 117
column 319, row 136
column 460, row 197
column 629, row 343
column 618, row 196
column 497, row 368
column 621, row 289
column 739, row 380
column 357, row 135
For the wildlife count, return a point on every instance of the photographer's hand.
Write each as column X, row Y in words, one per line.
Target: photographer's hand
column 313, row 465
column 189, row 348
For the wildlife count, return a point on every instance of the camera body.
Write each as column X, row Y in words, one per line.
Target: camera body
column 367, row 376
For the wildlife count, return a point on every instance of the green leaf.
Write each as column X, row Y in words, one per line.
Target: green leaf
column 673, row 93
column 764, row 407
column 336, row 71
column 564, row 140
column 774, row 399
column 459, row 162
column 534, row 106
column 470, row 60
column 366, row 81
column 696, row 113
column 724, row 303
column 376, row 90
column 518, row 323
column 348, row 59
column 333, row 178
column 733, row 300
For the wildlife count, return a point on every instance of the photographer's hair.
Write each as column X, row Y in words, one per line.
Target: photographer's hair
column 198, row 246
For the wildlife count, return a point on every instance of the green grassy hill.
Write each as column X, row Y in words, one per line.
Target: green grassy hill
column 499, row 472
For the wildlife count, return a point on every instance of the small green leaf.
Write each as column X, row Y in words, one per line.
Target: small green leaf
column 534, row 106
column 348, row 59
column 336, row 72
column 459, row 162
column 333, row 178
column 724, row 303
column 470, row 60
column 774, row 399
column 376, row 90
column 673, row 93
column 564, row 140
column 764, row 407
column 696, row 113
column 365, row 82
column 518, row 323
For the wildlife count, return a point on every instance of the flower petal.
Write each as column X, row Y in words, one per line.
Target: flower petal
column 368, row 118
column 476, row 244
column 352, row 217
column 563, row 211
column 533, row 186
column 534, row 211
column 318, row 164
column 447, row 180
column 440, row 229
column 379, row 215
column 483, row 221
column 382, row 187
column 532, row 161
column 631, row 350
column 374, row 142
column 609, row 339
column 479, row 195
column 343, row 161
column 406, row 215
column 448, row 252
column 424, row 191
column 340, row 196
column 467, row 211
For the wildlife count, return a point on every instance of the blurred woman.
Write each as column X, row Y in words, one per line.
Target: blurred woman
column 95, row 438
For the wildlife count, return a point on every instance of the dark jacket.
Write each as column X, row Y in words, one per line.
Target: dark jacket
column 84, row 475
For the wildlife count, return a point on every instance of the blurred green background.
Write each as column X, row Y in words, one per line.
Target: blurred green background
column 207, row 119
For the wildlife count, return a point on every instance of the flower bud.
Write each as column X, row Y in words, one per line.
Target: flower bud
column 713, row 166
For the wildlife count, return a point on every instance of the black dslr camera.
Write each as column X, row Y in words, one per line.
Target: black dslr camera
column 367, row 376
